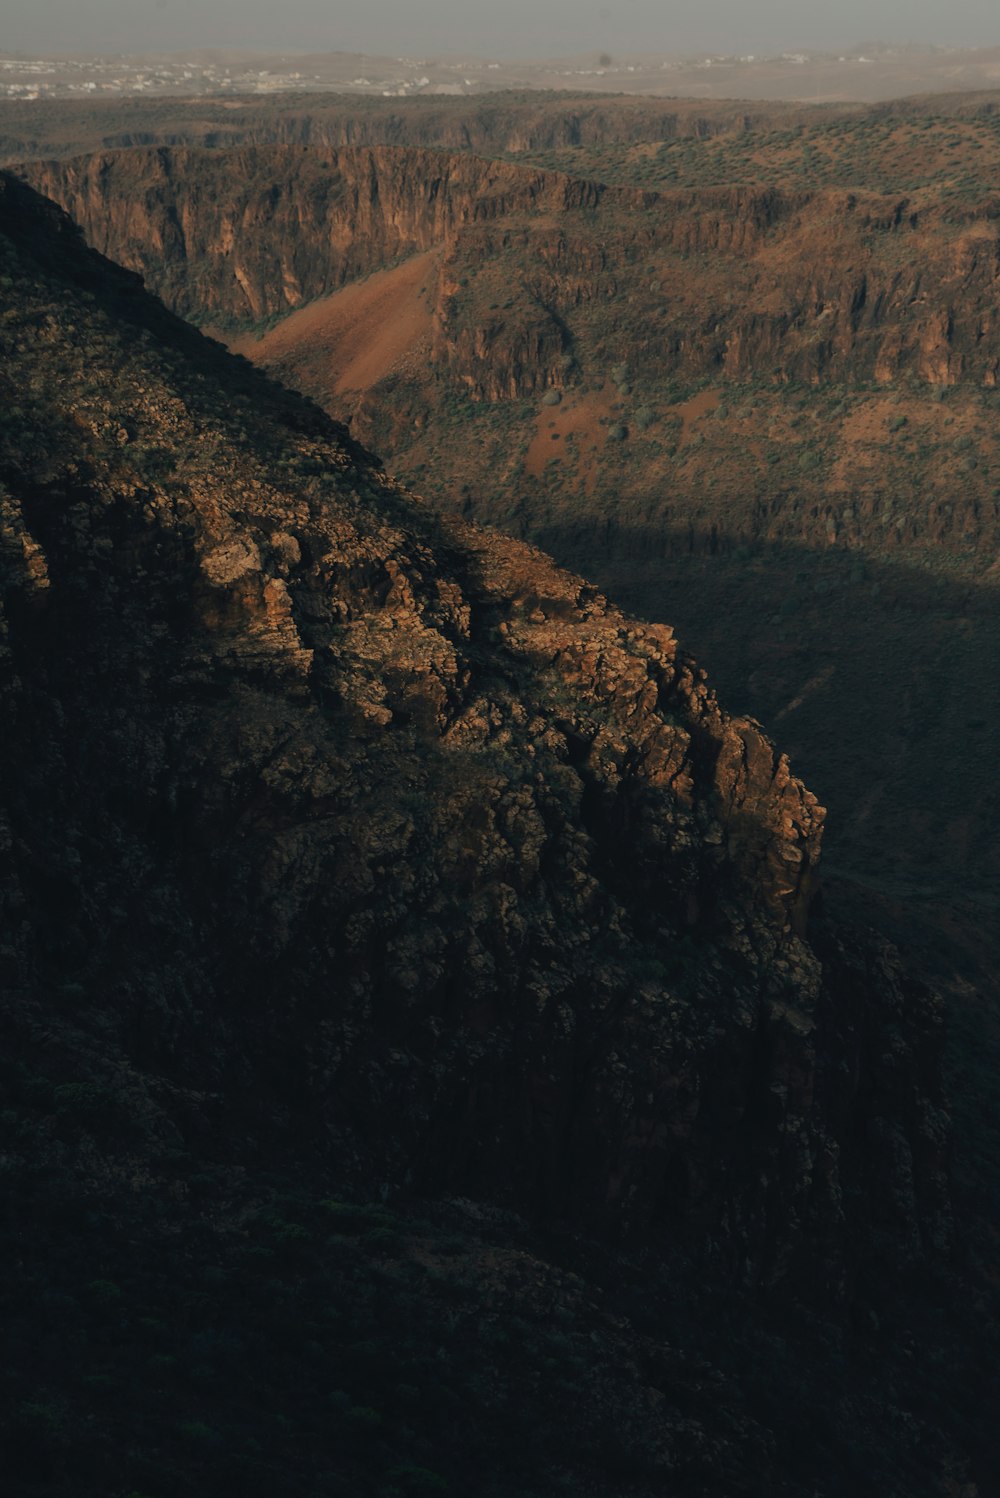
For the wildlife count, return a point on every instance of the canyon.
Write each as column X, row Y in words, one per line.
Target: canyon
column 761, row 393
column 437, row 1060
column 820, row 286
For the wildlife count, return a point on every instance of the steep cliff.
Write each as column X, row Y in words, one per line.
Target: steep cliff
column 301, row 223
column 811, row 285
column 358, row 846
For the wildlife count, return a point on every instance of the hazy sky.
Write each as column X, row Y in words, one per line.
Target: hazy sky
column 503, row 28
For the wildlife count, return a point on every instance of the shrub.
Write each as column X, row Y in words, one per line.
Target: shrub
column 410, row 1479
column 197, row 1430
column 153, row 462
column 105, row 1292
column 383, row 1240
column 349, row 1217
column 86, row 1100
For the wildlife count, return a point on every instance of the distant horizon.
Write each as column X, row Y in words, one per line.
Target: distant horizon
column 522, row 31
column 429, row 54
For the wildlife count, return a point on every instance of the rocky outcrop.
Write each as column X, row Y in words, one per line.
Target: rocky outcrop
column 369, row 819
column 351, row 852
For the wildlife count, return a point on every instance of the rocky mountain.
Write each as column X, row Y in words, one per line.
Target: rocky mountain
column 424, row 1057
column 763, row 389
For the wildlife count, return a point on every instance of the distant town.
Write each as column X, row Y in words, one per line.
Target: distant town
column 875, row 71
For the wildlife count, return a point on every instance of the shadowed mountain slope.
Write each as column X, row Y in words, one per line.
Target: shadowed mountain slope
column 780, row 391
column 377, row 895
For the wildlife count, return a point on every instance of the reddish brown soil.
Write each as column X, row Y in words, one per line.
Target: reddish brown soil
column 349, row 341
column 691, row 411
column 579, row 417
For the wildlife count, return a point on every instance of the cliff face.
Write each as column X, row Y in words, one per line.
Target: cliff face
column 304, row 222
column 719, row 281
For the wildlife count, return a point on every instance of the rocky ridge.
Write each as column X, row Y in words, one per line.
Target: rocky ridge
column 341, row 832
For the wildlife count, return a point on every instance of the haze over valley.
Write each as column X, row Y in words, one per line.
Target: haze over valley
column 869, row 71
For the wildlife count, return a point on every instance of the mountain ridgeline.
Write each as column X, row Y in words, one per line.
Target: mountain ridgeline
column 488, row 126
column 392, row 918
